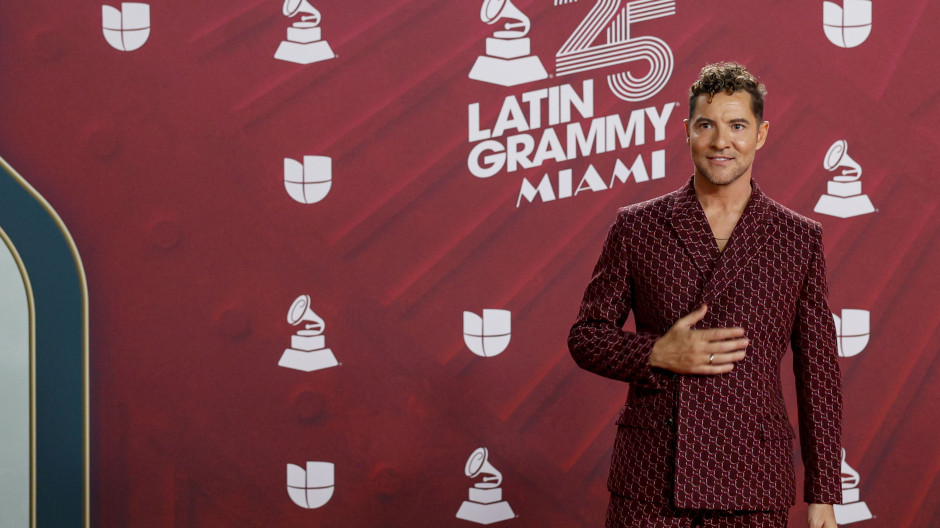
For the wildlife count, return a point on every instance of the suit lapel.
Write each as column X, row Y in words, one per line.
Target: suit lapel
column 750, row 234
column 689, row 221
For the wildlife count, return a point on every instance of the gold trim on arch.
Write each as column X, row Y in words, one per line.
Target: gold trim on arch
column 86, row 465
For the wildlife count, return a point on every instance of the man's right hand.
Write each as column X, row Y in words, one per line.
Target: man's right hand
column 685, row 350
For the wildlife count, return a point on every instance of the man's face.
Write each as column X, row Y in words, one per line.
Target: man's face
column 723, row 136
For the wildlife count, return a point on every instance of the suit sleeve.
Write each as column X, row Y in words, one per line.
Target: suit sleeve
column 597, row 341
column 818, row 383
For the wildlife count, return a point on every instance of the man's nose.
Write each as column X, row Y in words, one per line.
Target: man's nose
column 721, row 139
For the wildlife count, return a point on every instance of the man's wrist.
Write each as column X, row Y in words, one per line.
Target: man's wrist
column 654, row 356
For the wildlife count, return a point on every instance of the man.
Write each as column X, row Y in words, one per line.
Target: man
column 720, row 278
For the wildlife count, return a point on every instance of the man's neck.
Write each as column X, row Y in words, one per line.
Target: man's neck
column 723, row 199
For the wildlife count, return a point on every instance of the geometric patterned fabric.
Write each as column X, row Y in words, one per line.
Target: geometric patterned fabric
column 716, row 441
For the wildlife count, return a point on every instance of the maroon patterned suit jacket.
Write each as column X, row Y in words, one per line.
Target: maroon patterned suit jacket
column 716, row 441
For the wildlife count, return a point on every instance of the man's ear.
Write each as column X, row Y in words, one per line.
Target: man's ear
column 687, row 132
column 762, row 134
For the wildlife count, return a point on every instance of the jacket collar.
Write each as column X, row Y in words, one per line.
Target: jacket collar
column 750, row 234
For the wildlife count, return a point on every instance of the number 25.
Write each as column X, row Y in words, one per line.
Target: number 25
column 578, row 54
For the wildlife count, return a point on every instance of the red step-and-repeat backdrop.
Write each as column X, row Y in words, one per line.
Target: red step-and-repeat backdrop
column 333, row 249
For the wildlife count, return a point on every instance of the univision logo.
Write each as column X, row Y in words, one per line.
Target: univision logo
column 128, row 28
column 849, row 25
column 853, row 330
column 310, row 181
column 489, row 335
column 311, row 487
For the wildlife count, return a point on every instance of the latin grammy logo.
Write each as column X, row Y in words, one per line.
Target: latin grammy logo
column 843, row 196
column 128, row 28
column 485, row 504
column 853, row 330
column 489, row 335
column 507, row 61
column 849, row 25
column 303, row 44
column 307, row 350
column 313, row 487
column 852, row 509
column 310, row 181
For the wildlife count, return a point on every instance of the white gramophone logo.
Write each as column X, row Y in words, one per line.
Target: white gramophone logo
column 843, row 196
column 849, row 25
column 853, row 330
column 489, row 335
column 852, row 509
column 310, row 181
column 485, row 504
column 128, row 28
column 307, row 350
column 313, row 487
column 508, row 60
column 303, row 44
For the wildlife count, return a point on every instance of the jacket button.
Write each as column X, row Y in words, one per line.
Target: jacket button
column 669, row 421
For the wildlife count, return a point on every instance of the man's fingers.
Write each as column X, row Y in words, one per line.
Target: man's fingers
column 718, row 347
column 721, row 363
column 714, row 369
column 726, row 358
column 693, row 317
column 719, row 334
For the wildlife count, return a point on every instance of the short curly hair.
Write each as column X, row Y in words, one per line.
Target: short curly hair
column 729, row 77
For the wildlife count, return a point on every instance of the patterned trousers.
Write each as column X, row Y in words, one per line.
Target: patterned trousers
column 628, row 513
